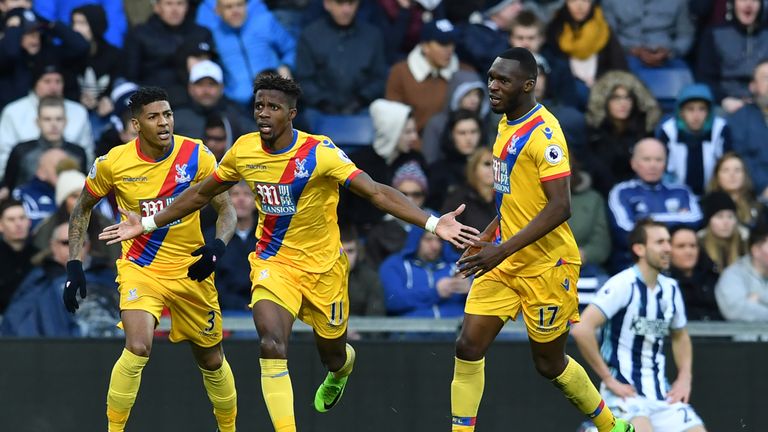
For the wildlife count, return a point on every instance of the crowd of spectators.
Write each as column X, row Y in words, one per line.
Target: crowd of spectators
column 416, row 69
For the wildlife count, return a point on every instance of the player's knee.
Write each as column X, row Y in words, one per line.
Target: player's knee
column 140, row 349
column 211, row 362
column 468, row 350
column 549, row 368
column 274, row 348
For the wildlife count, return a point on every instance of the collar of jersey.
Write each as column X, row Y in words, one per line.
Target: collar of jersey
column 287, row 149
column 525, row 117
column 146, row 158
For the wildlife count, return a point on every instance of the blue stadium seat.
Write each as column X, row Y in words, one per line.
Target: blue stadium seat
column 347, row 131
column 665, row 84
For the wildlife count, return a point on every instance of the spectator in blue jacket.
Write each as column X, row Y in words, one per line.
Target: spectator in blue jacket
column 36, row 309
column 61, row 10
column 419, row 281
column 695, row 138
column 340, row 61
column 232, row 279
column 38, row 194
column 249, row 40
column 749, row 129
column 647, row 195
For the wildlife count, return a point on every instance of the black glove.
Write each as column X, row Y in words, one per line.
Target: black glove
column 75, row 281
column 207, row 262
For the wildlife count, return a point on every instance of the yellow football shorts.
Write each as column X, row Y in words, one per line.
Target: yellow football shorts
column 549, row 301
column 319, row 299
column 194, row 306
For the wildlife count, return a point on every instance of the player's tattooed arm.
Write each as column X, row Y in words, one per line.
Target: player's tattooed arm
column 225, row 223
column 78, row 223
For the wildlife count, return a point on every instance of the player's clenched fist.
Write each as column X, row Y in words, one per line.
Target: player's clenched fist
column 75, row 282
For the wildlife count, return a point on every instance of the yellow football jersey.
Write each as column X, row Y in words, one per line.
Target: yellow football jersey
column 297, row 191
column 146, row 186
column 527, row 152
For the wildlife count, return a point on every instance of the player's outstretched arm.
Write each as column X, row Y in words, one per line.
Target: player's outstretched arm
column 78, row 228
column 584, row 334
column 682, row 350
column 395, row 203
column 190, row 200
column 555, row 212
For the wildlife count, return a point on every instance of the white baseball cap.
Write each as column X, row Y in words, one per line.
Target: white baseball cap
column 206, row 69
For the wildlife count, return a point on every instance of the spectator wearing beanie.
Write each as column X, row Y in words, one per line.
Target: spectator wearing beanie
column 722, row 238
column 389, row 236
column 119, row 130
column 421, row 80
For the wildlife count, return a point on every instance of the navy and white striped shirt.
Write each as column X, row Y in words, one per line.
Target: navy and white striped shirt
column 638, row 320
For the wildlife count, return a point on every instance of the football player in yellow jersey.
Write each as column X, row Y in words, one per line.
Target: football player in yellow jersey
column 533, row 266
column 298, row 269
column 161, row 269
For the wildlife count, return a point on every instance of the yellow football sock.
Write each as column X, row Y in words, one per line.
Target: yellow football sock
column 220, row 385
column 278, row 393
column 123, row 387
column 349, row 364
column 577, row 387
column 466, row 391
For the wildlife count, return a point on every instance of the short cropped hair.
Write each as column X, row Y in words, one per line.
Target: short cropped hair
column 526, row 60
column 758, row 234
column 272, row 81
column 50, row 101
column 527, row 18
column 639, row 234
column 145, row 96
column 8, row 203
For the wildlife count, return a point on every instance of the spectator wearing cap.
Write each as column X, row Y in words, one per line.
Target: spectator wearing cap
column 69, row 186
column 206, row 96
column 151, row 48
column 742, row 291
column 480, row 43
column 388, row 236
column 654, row 33
column 119, row 129
column 249, row 40
column 695, row 138
column 722, row 239
column 96, row 72
column 39, row 194
column 358, row 71
column 16, row 250
column 51, row 120
column 188, row 55
column 395, row 142
column 114, row 23
column 17, row 121
column 421, row 80
column 27, row 45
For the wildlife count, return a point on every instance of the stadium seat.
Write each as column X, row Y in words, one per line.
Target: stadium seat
column 347, row 131
column 665, row 84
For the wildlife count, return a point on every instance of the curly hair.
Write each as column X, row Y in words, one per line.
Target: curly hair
column 273, row 81
column 145, row 96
